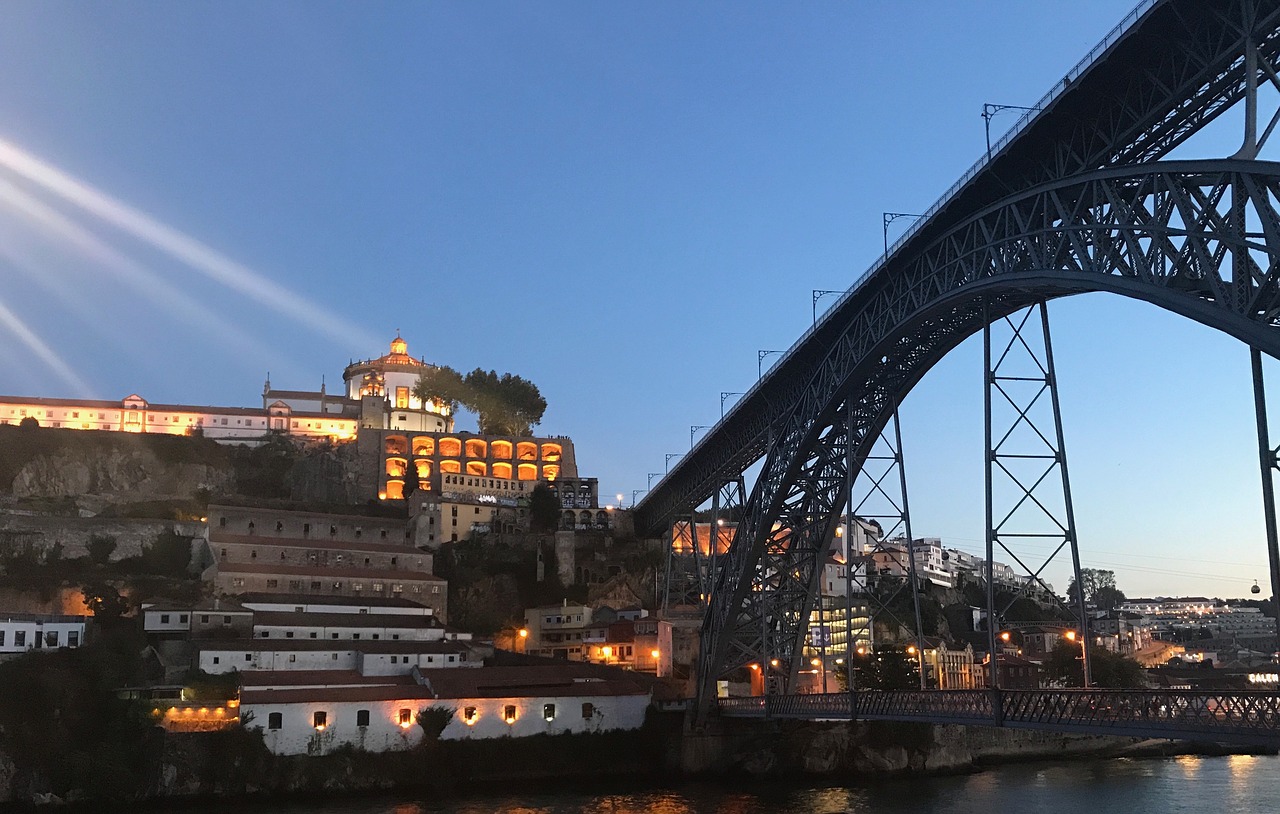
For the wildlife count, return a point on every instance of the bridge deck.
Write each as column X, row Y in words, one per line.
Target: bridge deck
column 1239, row 717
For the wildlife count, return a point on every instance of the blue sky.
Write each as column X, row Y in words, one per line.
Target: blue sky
column 621, row 202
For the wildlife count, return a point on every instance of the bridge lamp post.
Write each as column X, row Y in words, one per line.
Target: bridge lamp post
column 653, row 475
column 760, row 357
column 634, row 493
column 890, row 217
column 723, row 396
column 671, row 455
column 817, row 295
column 693, row 429
column 989, row 112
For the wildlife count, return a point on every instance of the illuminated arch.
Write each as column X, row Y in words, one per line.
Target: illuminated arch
column 550, row 472
column 527, row 472
column 477, row 468
column 424, row 445
column 451, row 447
column 527, row 451
column 551, row 452
column 451, row 467
column 477, row 448
column 424, row 468
column 395, row 490
column 396, row 445
column 501, row 450
column 501, row 470
column 396, row 467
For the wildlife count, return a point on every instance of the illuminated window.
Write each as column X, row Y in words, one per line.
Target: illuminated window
column 551, row 452
column 549, row 712
column 450, row 447
column 469, row 715
column 528, row 472
column 424, row 446
column 501, row 450
column 397, row 445
column 476, row 468
column 395, row 490
column 509, row 713
column 320, row 719
column 501, row 470
column 450, row 466
column 550, row 472
column 405, row 717
column 402, row 398
column 424, row 468
column 527, row 451
column 396, row 467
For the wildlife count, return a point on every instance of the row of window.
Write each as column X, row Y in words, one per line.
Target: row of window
column 306, row 529
column 404, row 716
column 474, row 447
column 49, row 638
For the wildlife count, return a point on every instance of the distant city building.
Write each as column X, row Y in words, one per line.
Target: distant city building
column 20, row 632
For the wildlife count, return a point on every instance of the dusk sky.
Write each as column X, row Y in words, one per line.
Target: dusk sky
column 620, row 202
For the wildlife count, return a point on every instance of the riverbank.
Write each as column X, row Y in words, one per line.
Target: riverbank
column 234, row 765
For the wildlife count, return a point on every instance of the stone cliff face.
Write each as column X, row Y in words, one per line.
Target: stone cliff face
column 118, row 474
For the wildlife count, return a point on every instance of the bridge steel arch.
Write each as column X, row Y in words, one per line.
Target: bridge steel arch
column 1201, row 239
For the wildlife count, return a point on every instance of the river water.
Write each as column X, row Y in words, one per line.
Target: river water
column 1238, row 783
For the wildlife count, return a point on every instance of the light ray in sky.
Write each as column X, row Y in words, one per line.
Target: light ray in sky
column 43, row 351
column 186, row 249
column 146, row 282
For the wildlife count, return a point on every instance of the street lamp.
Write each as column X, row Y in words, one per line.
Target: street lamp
column 989, row 112
column 653, row 475
column 693, row 429
column 671, row 455
column 817, row 295
column 760, row 357
column 635, row 492
column 724, row 396
column 890, row 217
column 619, row 500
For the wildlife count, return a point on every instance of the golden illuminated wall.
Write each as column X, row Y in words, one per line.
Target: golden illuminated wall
column 506, row 459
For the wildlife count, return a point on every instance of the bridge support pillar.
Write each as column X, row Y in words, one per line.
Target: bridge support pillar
column 1269, row 460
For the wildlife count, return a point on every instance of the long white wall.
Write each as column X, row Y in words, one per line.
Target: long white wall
column 298, row 735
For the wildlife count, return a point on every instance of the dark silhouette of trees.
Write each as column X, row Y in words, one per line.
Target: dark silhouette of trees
column 544, row 509
column 504, row 405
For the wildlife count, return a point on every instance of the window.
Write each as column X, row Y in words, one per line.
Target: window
column 164, row 618
column 469, row 715
column 362, row 717
column 405, row 717
column 204, row 618
column 19, row 638
column 509, row 713
column 549, row 712
column 588, row 710
column 248, row 657
column 182, row 618
column 275, row 720
column 73, row 638
column 320, row 719
column 273, row 583
column 217, row 660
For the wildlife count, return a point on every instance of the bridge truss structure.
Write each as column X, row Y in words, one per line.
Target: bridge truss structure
column 1076, row 198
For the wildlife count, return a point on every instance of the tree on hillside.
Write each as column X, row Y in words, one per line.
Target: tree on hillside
column 411, row 480
column 504, row 405
column 443, row 385
column 544, row 509
column 1108, row 669
column 1099, row 588
column 101, row 547
column 28, row 423
column 169, row 555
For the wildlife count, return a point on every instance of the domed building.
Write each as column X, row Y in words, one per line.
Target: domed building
column 384, row 389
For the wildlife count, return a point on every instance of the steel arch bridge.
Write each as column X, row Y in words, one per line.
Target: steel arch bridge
column 1075, row 200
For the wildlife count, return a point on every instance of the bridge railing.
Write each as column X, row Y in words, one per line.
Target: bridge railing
column 1172, row 713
